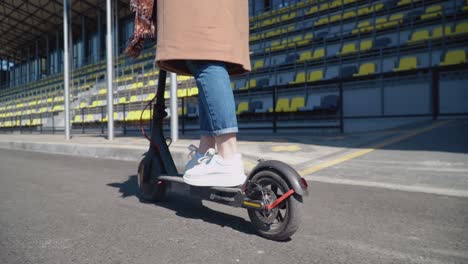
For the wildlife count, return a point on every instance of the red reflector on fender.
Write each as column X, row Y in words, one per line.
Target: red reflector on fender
column 304, row 183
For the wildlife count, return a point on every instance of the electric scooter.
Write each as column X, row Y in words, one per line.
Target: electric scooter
column 272, row 193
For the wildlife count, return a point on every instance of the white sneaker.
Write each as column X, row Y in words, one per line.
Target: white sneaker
column 213, row 170
column 194, row 152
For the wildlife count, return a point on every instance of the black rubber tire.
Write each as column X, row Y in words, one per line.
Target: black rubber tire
column 293, row 207
column 148, row 189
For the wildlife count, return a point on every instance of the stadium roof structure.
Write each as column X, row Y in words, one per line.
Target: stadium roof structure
column 23, row 22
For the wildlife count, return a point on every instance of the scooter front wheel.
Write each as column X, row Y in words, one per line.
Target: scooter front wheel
column 281, row 222
column 149, row 188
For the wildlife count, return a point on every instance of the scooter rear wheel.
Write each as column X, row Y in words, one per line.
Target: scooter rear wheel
column 150, row 189
column 283, row 221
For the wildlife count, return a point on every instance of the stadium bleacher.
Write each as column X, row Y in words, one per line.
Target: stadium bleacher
column 292, row 49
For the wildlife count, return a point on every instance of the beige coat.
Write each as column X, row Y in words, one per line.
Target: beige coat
column 203, row 30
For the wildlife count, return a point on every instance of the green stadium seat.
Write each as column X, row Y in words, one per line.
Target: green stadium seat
column 432, row 12
column 315, row 76
column 419, row 36
column 242, row 107
column 407, row 63
column 300, row 78
column 365, row 69
column 454, row 57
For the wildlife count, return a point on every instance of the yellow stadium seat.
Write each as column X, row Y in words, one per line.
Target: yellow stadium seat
column 287, row 17
column 440, row 32
column 282, row 105
column 407, row 63
column 312, row 10
column 454, row 57
column 405, row 2
column 133, row 99
column 300, row 78
column 364, row 10
column 365, row 69
column 77, row 119
column 381, row 22
column 324, row 7
column 362, row 27
column 123, row 100
column 348, row 48
column 349, row 14
column 181, row 92
column 179, row 111
column 242, row 107
column 419, row 36
column 365, row 45
column 191, row 91
column 321, row 21
column 305, row 56
column 258, row 64
column 461, row 28
column 334, row 18
column 432, row 12
column 315, row 76
column 103, row 91
column 306, row 40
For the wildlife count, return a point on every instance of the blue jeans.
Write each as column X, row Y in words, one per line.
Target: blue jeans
column 216, row 105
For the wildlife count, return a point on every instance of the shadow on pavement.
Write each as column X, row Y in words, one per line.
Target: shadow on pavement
column 187, row 207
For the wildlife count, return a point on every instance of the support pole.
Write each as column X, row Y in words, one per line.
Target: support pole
column 66, row 68
column 110, row 77
column 174, row 115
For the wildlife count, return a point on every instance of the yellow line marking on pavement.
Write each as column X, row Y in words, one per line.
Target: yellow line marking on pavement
column 290, row 148
column 370, row 149
column 249, row 165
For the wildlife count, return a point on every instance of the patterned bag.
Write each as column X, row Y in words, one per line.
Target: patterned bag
column 145, row 25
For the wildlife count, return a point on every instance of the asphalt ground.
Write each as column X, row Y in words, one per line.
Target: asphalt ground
column 64, row 209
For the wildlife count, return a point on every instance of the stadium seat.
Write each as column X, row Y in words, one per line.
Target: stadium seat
column 419, row 36
column 318, row 53
column 312, row 10
column 432, row 12
column 233, row 85
column 454, row 57
column 252, row 83
column 258, row 64
column 407, row 63
column 297, row 104
column 305, row 56
column 133, row 99
column 440, row 32
column 103, row 91
column 365, row 69
column 287, row 17
column 305, row 40
column 242, row 107
column 77, row 119
column 405, row 2
column 365, row 45
column 347, row 49
column 363, row 26
column 394, row 20
column 123, row 100
column 181, row 93
column 461, row 28
column 300, row 78
column 315, row 76
column 282, row 105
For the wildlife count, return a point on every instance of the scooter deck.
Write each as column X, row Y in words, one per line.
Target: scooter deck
column 232, row 196
column 179, row 179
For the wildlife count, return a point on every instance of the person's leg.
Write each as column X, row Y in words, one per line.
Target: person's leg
column 224, row 168
column 218, row 120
